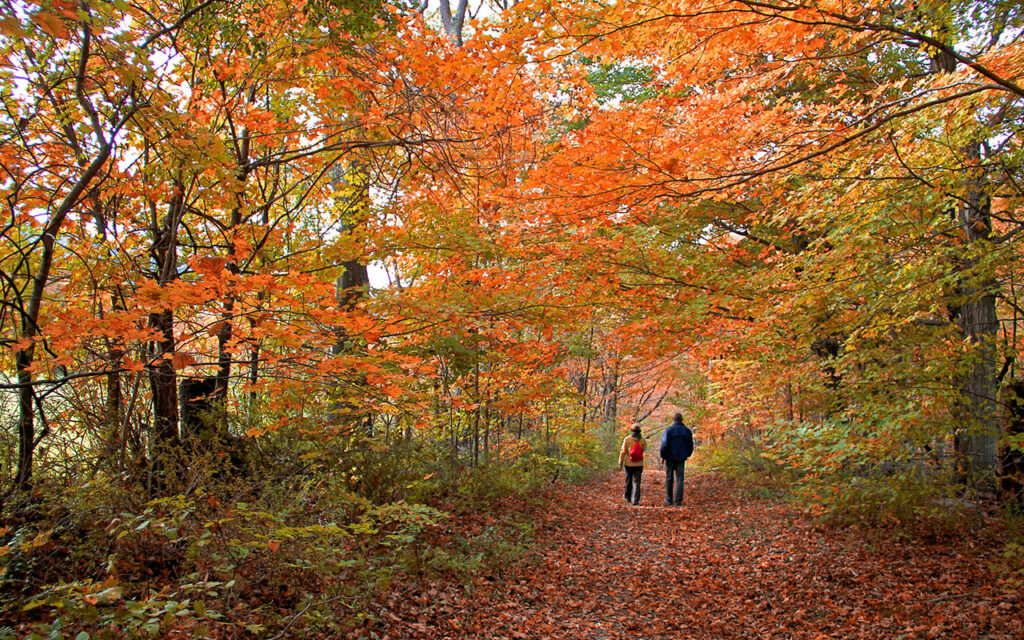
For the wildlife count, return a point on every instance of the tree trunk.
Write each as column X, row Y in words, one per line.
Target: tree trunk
column 163, row 382
column 610, row 401
column 974, row 441
column 586, row 381
column 114, row 402
column 163, row 379
column 978, row 428
column 114, row 409
column 26, row 421
column 354, row 281
column 476, row 411
column 27, row 440
column 487, row 433
column 224, row 356
column 254, row 376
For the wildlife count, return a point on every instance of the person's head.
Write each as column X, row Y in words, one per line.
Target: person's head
column 636, row 430
column 677, row 418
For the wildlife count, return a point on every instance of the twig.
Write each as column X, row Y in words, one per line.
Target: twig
column 302, row 612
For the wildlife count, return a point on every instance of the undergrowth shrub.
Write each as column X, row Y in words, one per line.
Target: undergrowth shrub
column 863, row 473
column 844, row 474
column 207, row 564
column 247, row 557
column 607, row 456
column 1010, row 567
column 746, row 462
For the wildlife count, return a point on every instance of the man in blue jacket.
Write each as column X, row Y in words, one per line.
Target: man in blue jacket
column 676, row 447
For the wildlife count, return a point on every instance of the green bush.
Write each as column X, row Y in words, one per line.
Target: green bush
column 842, row 474
column 747, row 462
column 212, row 563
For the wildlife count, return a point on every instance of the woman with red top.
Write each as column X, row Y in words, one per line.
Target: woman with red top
column 631, row 458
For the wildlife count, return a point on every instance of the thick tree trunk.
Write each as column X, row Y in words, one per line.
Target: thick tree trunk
column 163, row 379
column 978, row 428
column 354, row 282
column 163, row 382
column 975, row 442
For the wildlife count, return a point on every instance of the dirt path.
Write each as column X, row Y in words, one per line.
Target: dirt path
column 724, row 565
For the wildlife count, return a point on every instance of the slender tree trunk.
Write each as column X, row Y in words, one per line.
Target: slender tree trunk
column 254, row 353
column 476, row 411
column 789, row 402
column 27, row 440
column 254, row 376
column 114, row 403
column 224, row 356
column 547, row 430
column 611, row 399
column 487, row 433
column 26, row 420
column 586, row 380
column 124, row 433
column 40, row 275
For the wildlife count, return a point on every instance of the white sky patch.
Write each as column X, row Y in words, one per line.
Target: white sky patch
column 379, row 276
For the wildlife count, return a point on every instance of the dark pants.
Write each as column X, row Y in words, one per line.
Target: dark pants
column 633, row 484
column 674, row 472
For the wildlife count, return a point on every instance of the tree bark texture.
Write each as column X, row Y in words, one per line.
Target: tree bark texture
column 978, row 427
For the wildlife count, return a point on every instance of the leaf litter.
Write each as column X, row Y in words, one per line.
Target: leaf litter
column 724, row 565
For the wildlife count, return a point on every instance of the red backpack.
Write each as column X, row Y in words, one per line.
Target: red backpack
column 636, row 452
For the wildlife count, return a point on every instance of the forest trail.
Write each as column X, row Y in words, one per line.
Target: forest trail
column 724, row 565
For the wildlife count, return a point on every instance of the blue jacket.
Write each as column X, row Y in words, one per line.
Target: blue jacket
column 677, row 443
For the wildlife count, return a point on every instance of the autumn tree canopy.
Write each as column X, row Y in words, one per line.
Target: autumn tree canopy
column 797, row 222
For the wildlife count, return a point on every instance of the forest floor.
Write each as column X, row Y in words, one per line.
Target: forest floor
column 726, row 564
